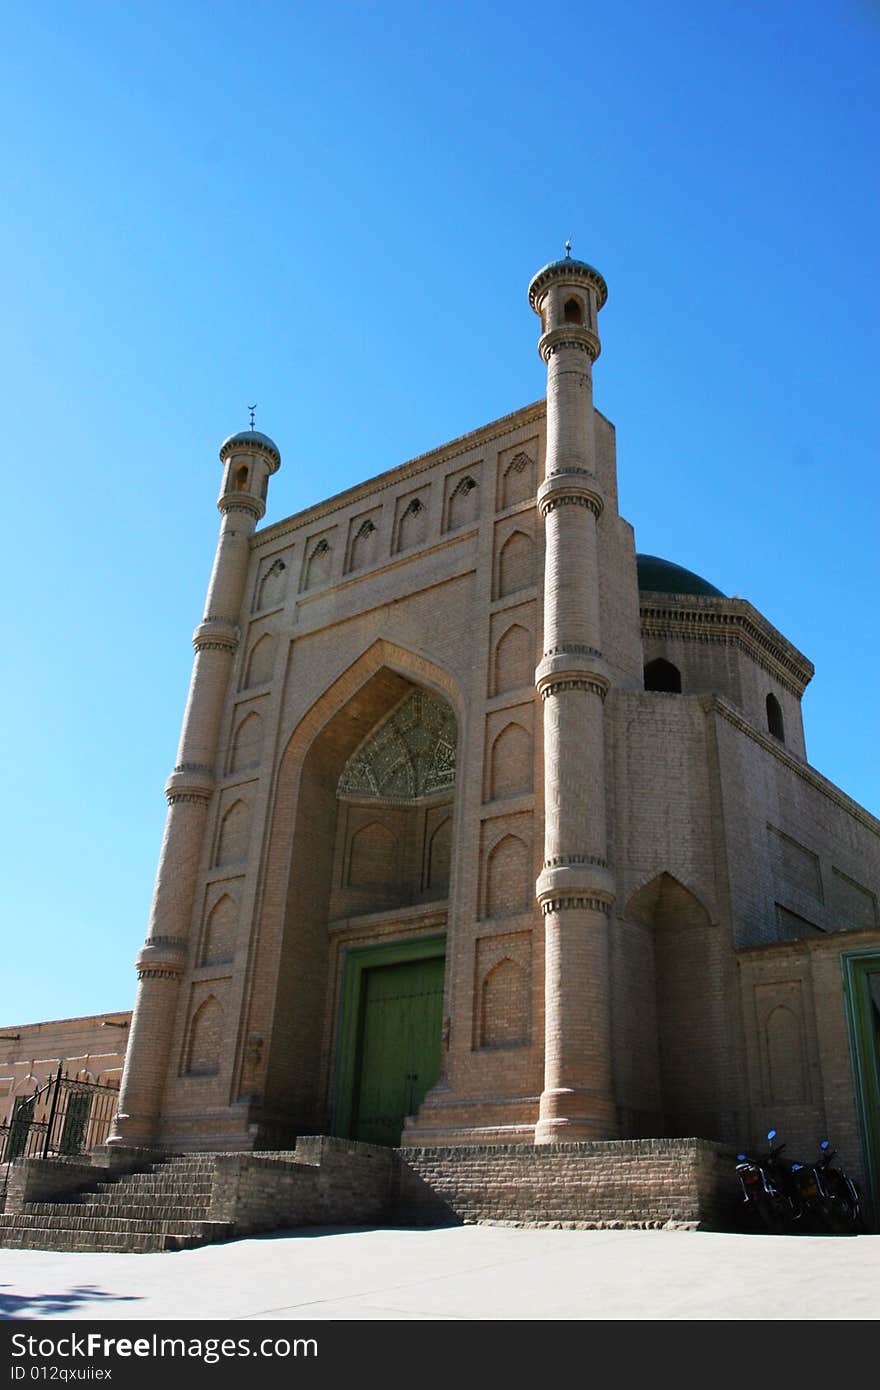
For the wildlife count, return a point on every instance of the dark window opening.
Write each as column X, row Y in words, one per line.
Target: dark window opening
column 241, row 479
column 573, row 311
column 774, row 718
column 662, row 675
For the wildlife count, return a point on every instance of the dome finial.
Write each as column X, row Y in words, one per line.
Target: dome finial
column 252, row 408
column 568, row 249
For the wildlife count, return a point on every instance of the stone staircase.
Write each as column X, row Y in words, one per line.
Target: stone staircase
column 163, row 1207
column 181, row 1201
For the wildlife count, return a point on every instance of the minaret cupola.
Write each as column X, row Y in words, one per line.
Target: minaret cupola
column 568, row 295
column 249, row 459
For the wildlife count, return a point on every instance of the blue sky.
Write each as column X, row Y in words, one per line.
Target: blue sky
column 336, row 212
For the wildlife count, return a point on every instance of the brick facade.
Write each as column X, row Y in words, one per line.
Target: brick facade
column 646, row 895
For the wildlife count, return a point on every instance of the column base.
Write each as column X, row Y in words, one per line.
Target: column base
column 570, row 1116
column 132, row 1131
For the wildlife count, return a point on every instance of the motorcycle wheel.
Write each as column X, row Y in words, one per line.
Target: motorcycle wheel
column 772, row 1218
column 844, row 1215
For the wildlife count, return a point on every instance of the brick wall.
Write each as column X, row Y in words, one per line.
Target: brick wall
column 637, row 1182
column 322, row 1182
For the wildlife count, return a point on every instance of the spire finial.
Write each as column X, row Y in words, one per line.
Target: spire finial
column 568, row 249
column 252, row 408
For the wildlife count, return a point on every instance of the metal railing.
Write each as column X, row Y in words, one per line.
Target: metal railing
column 63, row 1119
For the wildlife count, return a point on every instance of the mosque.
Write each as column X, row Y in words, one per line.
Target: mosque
column 485, row 830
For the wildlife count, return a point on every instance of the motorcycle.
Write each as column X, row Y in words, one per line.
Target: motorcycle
column 771, row 1195
column 838, row 1201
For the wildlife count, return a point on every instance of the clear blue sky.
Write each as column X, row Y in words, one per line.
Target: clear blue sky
column 335, row 211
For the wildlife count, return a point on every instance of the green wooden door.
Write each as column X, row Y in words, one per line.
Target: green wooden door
column 399, row 1046
column 861, row 974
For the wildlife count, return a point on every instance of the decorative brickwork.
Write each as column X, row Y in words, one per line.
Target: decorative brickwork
column 516, row 564
column 418, row 721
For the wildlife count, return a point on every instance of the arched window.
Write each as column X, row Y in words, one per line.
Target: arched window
column 774, row 718
column 573, row 312
column 662, row 675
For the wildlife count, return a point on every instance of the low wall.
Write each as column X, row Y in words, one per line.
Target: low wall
column 324, row 1181
column 45, row 1180
column 686, row 1183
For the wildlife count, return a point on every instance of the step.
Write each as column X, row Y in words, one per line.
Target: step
column 112, row 1224
column 153, row 1191
column 157, row 1180
column 138, row 1211
column 37, row 1238
column 107, row 1192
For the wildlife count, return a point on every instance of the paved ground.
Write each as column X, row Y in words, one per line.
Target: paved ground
column 463, row 1273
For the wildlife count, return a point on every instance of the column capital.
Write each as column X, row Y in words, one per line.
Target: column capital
column 571, row 486
column 581, row 881
column 571, row 664
column 218, row 634
column 569, row 336
column 254, row 507
column 161, row 957
column 190, row 782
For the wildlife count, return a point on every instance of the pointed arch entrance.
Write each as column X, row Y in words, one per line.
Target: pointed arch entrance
column 672, row 1008
column 369, row 778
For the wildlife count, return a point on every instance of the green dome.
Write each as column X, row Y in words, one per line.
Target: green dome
column 658, row 576
column 568, row 268
column 251, row 437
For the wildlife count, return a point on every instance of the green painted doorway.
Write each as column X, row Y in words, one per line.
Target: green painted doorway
column 861, row 979
column 390, row 1053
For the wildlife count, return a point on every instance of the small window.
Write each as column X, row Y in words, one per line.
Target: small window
column 241, row 479
column 662, row 675
column 573, row 311
column 774, row 718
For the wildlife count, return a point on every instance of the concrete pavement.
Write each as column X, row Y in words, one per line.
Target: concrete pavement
column 459, row 1273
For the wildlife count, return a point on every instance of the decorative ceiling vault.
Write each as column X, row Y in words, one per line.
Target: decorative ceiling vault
column 411, row 755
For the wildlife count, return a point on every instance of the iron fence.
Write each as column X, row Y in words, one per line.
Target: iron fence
column 64, row 1118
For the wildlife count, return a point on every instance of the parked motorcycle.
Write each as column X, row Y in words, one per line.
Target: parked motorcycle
column 838, row 1201
column 770, row 1195
column 791, row 1196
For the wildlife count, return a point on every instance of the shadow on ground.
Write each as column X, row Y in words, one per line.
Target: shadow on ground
column 37, row 1305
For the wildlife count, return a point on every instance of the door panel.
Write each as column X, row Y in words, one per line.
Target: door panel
column 399, row 1046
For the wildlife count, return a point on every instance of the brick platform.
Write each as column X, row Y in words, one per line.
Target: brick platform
column 684, row 1183
column 187, row 1200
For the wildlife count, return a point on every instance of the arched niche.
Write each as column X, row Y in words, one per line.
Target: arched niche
column 508, row 878
column 316, row 813
column 671, row 1005
column 514, row 659
column 516, row 564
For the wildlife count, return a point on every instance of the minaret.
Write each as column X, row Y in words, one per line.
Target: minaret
column 575, row 888
column 248, row 461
